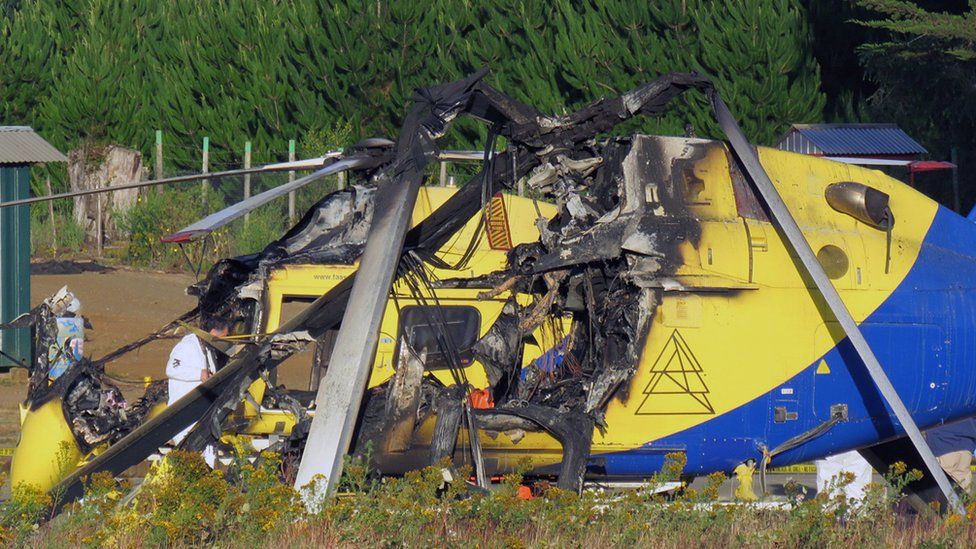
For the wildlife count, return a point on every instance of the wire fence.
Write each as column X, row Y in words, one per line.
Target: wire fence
column 133, row 234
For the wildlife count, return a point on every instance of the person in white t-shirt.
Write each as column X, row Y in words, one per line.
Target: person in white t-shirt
column 191, row 362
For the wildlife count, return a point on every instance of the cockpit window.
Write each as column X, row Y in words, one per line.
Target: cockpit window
column 747, row 204
column 434, row 327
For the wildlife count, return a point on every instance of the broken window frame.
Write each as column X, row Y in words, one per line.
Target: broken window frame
column 432, row 316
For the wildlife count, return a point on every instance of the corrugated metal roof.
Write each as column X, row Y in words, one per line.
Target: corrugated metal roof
column 850, row 139
column 20, row 145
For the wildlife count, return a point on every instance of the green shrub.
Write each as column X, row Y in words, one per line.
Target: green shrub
column 252, row 235
column 70, row 235
column 154, row 216
column 19, row 516
column 183, row 502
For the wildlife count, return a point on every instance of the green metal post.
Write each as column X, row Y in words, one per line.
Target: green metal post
column 14, row 262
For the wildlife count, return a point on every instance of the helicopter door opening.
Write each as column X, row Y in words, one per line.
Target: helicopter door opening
column 918, row 350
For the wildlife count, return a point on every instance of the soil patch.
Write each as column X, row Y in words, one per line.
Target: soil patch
column 122, row 306
column 66, row 267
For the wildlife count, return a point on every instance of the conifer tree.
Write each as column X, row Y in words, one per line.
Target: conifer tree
column 760, row 54
column 33, row 42
column 236, row 70
column 99, row 93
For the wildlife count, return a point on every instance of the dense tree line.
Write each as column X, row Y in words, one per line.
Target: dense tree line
column 908, row 62
column 116, row 70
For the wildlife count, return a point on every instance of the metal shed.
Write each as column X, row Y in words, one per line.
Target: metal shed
column 20, row 148
column 851, row 140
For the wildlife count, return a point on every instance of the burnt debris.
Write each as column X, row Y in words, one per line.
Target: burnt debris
column 93, row 406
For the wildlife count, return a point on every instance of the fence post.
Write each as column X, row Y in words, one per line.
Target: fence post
column 247, row 177
column 159, row 159
column 205, row 184
column 291, row 177
column 342, row 180
column 50, row 211
column 443, row 173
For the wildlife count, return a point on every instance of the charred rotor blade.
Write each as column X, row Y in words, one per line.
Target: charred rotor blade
column 340, row 393
column 784, row 219
column 281, row 167
column 217, row 220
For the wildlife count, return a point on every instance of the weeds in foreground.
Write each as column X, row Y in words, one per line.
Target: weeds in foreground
column 183, row 503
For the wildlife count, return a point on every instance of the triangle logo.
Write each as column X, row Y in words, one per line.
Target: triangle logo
column 676, row 386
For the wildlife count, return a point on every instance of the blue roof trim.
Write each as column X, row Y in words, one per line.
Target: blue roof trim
column 874, row 139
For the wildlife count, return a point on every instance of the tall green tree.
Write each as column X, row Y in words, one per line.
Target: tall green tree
column 924, row 67
column 760, row 53
column 100, row 93
column 236, row 70
column 34, row 41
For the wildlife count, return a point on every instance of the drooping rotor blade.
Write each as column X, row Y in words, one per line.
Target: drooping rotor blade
column 217, row 220
column 784, row 219
column 306, row 164
column 298, row 165
column 340, row 394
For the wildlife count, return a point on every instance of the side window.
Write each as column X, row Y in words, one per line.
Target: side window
column 428, row 326
column 746, row 202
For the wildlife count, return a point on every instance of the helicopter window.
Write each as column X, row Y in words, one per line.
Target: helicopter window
column 429, row 326
column 833, row 260
column 746, row 202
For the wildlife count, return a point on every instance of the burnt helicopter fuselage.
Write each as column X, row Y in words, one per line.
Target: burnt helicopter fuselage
column 685, row 324
column 687, row 313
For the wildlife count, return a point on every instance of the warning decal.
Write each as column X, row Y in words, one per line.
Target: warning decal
column 497, row 224
column 676, row 386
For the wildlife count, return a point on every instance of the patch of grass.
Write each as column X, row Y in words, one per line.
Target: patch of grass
column 70, row 235
column 184, row 503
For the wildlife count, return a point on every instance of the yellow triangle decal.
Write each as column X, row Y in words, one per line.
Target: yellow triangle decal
column 822, row 368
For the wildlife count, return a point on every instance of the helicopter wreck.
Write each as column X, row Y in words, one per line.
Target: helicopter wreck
column 602, row 262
